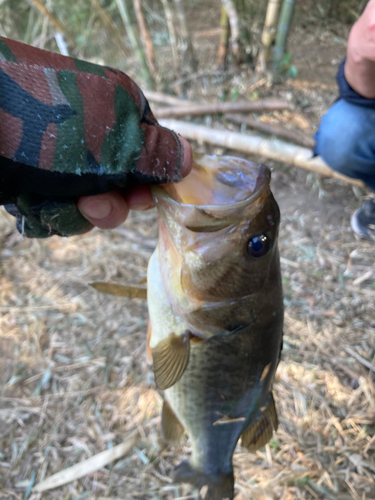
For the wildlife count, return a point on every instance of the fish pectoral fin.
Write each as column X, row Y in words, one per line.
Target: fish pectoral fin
column 260, row 432
column 170, row 357
column 129, row 291
column 171, row 427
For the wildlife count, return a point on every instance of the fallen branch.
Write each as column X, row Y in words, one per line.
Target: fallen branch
column 225, row 107
column 86, row 467
column 267, row 128
column 273, row 149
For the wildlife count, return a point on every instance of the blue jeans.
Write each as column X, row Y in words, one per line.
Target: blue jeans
column 346, row 141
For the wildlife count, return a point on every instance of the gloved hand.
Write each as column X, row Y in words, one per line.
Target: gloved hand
column 109, row 210
column 71, row 129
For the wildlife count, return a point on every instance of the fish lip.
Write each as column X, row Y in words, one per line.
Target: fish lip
column 159, row 192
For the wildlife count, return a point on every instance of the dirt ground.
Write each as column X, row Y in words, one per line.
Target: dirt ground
column 72, row 361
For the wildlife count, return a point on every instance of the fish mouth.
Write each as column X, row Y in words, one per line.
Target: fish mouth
column 218, row 192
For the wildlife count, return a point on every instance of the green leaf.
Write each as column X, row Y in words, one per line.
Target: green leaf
column 292, row 71
column 287, row 57
column 234, row 94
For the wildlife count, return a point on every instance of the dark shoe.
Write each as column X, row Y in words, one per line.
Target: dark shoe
column 363, row 220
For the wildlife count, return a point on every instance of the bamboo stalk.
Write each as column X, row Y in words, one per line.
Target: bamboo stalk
column 224, row 107
column 269, row 31
column 273, row 149
column 234, row 28
column 145, row 37
column 63, row 48
column 43, row 9
column 267, row 128
column 186, row 38
column 222, row 52
column 171, row 30
column 110, row 27
column 285, row 21
column 135, row 42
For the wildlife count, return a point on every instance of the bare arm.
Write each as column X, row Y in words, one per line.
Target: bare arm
column 360, row 62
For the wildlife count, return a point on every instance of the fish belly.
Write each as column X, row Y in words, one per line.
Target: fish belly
column 219, row 382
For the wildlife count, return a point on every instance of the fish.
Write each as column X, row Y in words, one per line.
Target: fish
column 215, row 301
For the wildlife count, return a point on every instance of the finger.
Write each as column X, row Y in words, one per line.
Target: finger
column 140, row 198
column 106, row 211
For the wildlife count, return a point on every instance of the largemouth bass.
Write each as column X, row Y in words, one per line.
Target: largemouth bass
column 216, row 315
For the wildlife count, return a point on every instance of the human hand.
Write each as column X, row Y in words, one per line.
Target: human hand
column 109, row 210
column 360, row 62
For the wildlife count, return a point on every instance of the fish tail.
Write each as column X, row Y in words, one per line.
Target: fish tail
column 219, row 487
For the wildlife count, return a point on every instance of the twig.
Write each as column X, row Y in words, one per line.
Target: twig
column 201, row 74
column 322, row 491
column 145, row 37
column 135, row 42
column 24, row 309
column 74, row 366
column 187, row 45
column 256, row 85
column 110, row 27
column 166, row 99
column 84, row 468
column 345, row 369
column 359, row 358
column 171, row 30
column 43, row 9
column 225, row 107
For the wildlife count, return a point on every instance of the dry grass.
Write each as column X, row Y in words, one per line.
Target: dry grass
column 76, row 381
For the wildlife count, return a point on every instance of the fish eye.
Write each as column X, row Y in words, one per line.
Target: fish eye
column 258, row 245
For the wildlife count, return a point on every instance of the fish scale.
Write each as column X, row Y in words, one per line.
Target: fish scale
column 213, row 398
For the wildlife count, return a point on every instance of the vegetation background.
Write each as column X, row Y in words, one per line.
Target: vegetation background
column 74, row 380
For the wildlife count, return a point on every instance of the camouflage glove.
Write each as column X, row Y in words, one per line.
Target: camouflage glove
column 68, row 129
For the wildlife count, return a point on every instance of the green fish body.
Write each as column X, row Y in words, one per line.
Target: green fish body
column 216, row 316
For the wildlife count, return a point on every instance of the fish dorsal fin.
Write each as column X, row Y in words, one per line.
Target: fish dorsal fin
column 170, row 357
column 260, row 432
column 170, row 425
